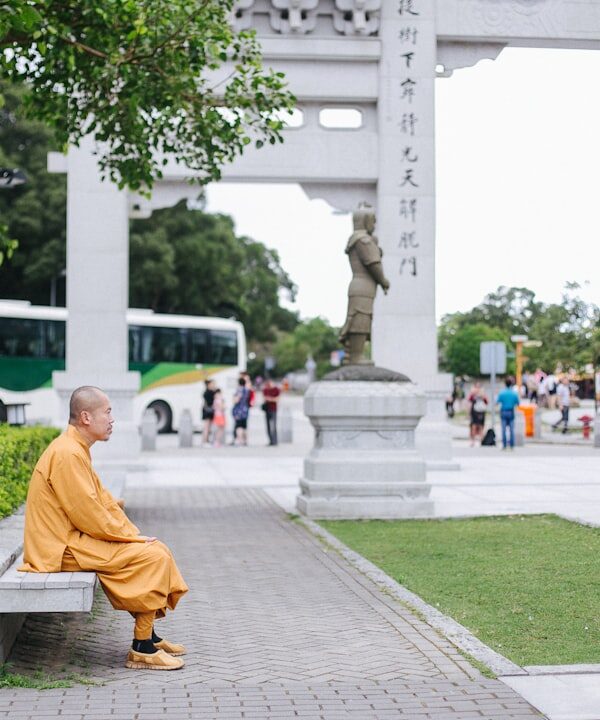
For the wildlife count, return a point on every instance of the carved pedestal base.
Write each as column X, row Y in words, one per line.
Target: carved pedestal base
column 364, row 463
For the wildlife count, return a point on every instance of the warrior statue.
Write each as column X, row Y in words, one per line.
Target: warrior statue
column 367, row 273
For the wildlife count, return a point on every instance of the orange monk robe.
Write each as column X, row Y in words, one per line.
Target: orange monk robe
column 69, row 509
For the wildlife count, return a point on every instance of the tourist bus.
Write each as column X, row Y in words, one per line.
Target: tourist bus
column 174, row 355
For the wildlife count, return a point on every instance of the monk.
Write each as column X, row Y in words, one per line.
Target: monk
column 73, row 523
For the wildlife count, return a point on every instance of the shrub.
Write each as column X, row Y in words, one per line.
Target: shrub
column 20, row 449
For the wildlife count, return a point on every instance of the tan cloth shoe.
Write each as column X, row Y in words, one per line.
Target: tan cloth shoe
column 171, row 647
column 159, row 660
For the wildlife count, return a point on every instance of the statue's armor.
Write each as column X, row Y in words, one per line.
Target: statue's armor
column 363, row 252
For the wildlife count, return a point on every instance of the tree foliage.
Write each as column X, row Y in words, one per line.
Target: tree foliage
column 313, row 337
column 462, row 349
column 144, row 77
column 34, row 213
column 187, row 261
column 569, row 330
column 180, row 261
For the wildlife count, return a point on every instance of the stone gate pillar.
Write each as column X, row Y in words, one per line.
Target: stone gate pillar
column 97, row 300
column 404, row 332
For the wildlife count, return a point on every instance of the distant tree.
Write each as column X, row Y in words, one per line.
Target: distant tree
column 35, row 213
column 144, row 79
column 462, row 352
column 315, row 337
column 181, row 261
column 569, row 330
column 188, row 261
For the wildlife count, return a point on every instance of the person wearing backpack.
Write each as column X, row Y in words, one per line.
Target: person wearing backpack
column 240, row 411
column 478, row 403
column 508, row 399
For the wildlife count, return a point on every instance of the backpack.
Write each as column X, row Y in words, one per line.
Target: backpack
column 489, row 438
column 479, row 406
column 240, row 409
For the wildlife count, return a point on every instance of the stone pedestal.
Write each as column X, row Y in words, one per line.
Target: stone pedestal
column 364, row 463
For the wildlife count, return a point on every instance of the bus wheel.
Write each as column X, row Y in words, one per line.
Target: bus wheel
column 164, row 416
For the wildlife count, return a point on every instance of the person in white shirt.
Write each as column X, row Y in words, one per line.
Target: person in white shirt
column 542, row 399
column 563, row 395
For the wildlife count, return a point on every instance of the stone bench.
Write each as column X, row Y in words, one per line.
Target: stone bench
column 21, row 593
column 24, row 592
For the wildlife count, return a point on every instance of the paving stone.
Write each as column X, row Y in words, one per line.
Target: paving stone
column 276, row 625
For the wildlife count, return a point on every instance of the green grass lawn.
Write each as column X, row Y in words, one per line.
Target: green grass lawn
column 529, row 587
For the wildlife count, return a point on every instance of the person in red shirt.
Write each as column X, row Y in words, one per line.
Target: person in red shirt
column 271, row 395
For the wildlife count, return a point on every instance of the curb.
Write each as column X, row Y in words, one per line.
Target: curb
column 449, row 628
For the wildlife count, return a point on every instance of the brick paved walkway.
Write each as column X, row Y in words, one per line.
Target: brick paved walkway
column 276, row 627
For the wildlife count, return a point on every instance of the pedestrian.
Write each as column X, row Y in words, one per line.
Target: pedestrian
column 459, row 391
column 478, row 403
column 542, row 396
column 524, row 389
column 551, row 385
column 563, row 396
column 240, row 411
column 271, row 395
column 73, row 523
column 508, row 399
column 532, row 388
column 218, row 418
column 252, row 392
column 207, row 410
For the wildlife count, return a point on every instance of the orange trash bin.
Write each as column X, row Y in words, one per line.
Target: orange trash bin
column 529, row 413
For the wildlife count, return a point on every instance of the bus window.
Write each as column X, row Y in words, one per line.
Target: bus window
column 199, row 352
column 223, row 345
column 166, row 344
column 20, row 337
column 55, row 339
column 135, row 343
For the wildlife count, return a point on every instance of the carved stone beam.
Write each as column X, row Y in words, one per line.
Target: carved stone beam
column 453, row 55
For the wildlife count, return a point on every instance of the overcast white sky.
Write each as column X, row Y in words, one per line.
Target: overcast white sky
column 518, row 189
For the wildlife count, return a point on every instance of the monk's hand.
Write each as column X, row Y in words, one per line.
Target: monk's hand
column 147, row 539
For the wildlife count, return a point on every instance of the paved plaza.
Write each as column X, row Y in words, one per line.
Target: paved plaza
column 277, row 624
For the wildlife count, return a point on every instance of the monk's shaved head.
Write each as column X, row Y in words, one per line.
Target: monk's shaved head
column 86, row 398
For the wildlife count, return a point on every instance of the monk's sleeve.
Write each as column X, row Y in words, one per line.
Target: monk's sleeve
column 116, row 510
column 73, row 483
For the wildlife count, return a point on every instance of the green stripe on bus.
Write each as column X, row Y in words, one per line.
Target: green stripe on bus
column 19, row 374
column 23, row 374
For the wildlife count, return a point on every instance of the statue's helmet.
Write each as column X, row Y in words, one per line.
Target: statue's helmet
column 364, row 218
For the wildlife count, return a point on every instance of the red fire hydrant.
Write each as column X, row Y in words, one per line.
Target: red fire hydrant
column 586, row 420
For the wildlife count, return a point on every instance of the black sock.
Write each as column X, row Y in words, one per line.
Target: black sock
column 155, row 638
column 144, row 646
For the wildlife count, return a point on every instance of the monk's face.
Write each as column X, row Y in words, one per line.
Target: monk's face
column 100, row 419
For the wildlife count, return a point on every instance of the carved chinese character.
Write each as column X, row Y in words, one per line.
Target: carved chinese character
column 408, row 178
column 408, row 209
column 408, row 240
column 408, row 35
column 407, row 123
column 408, row 57
column 409, row 264
column 407, row 7
column 409, row 156
column 408, row 89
